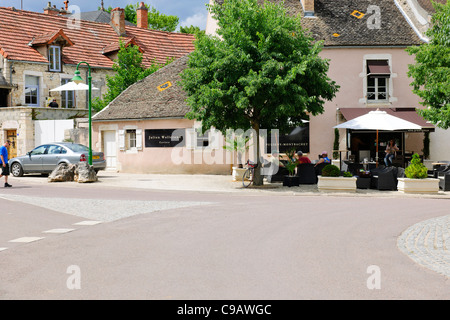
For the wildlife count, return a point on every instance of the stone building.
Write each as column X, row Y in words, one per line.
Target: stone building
column 40, row 51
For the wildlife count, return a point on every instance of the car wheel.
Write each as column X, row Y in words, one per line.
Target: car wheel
column 16, row 169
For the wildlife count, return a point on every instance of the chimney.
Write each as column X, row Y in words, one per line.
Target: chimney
column 308, row 7
column 118, row 21
column 51, row 10
column 142, row 16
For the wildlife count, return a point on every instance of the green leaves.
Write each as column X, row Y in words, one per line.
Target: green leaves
column 129, row 69
column 431, row 72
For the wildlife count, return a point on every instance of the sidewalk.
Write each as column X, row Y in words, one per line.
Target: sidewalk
column 214, row 183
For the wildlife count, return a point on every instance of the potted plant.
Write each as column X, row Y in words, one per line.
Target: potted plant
column 331, row 179
column 417, row 180
column 238, row 144
column 291, row 180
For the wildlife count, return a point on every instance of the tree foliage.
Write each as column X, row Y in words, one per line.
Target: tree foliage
column 128, row 69
column 261, row 71
column 156, row 20
column 191, row 30
column 431, row 71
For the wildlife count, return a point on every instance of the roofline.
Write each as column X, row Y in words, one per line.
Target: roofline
column 140, row 119
column 369, row 46
column 411, row 24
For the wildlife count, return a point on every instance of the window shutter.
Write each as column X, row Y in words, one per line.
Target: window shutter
column 139, row 139
column 121, row 140
column 191, row 138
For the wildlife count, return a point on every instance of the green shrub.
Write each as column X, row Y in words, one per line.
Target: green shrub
column 348, row 174
column 331, row 170
column 416, row 170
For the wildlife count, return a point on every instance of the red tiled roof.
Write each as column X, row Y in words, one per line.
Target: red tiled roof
column 18, row 28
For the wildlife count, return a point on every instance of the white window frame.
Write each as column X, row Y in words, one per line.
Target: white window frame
column 377, row 91
column 125, row 142
column 390, row 85
column 55, row 63
column 37, row 87
column 65, row 94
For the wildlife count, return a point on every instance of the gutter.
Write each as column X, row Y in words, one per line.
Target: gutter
column 423, row 38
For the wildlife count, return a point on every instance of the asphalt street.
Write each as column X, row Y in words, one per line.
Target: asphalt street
column 203, row 237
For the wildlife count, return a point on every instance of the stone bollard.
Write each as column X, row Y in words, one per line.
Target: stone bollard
column 81, row 172
column 63, row 172
column 85, row 173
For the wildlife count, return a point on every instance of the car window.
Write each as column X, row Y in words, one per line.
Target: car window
column 54, row 149
column 77, row 147
column 39, row 150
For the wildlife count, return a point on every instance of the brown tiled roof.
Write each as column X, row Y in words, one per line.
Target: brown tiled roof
column 333, row 17
column 157, row 96
column 18, row 28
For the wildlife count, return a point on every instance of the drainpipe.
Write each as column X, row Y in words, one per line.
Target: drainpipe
column 11, row 65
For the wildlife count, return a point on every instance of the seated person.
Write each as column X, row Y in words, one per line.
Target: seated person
column 274, row 167
column 323, row 158
column 301, row 158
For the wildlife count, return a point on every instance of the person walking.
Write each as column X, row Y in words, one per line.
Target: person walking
column 5, row 165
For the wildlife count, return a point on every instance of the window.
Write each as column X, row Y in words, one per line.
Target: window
column 31, row 90
column 54, row 57
column 67, row 97
column 130, row 139
column 202, row 140
column 378, row 74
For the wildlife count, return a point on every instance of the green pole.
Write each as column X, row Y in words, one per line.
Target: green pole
column 78, row 79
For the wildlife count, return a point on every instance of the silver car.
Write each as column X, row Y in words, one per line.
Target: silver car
column 45, row 158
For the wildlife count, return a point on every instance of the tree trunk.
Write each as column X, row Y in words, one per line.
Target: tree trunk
column 258, row 178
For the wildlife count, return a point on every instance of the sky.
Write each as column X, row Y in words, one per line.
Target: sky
column 190, row 12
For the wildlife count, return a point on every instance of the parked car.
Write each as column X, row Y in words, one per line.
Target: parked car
column 45, row 158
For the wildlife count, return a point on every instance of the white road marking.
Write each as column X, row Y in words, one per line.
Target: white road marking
column 87, row 223
column 26, row 239
column 62, row 230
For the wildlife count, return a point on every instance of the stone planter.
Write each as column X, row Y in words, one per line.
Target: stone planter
column 428, row 185
column 238, row 173
column 336, row 183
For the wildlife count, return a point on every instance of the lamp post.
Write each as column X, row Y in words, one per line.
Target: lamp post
column 78, row 79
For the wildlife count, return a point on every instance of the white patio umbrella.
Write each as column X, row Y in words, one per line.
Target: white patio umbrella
column 378, row 120
column 72, row 86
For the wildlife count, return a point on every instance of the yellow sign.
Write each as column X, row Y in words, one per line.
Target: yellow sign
column 164, row 86
column 358, row 14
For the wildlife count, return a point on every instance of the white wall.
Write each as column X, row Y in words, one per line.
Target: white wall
column 47, row 131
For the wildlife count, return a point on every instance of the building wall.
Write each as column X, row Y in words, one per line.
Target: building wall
column 162, row 159
column 50, row 80
column 347, row 69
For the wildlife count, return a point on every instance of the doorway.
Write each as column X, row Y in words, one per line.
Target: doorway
column 4, row 93
column 11, row 135
column 110, row 149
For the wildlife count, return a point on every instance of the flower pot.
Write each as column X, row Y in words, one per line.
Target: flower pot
column 428, row 185
column 291, row 181
column 336, row 183
column 238, row 173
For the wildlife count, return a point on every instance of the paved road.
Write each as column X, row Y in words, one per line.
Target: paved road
column 144, row 243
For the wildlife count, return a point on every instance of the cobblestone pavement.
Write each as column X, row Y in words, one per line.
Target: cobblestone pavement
column 428, row 244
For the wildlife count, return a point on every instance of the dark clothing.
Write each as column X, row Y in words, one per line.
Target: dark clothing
column 5, row 170
column 53, row 104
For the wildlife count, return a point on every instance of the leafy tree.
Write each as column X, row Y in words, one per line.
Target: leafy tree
column 431, row 72
column 156, row 20
column 262, row 71
column 128, row 69
column 191, row 30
